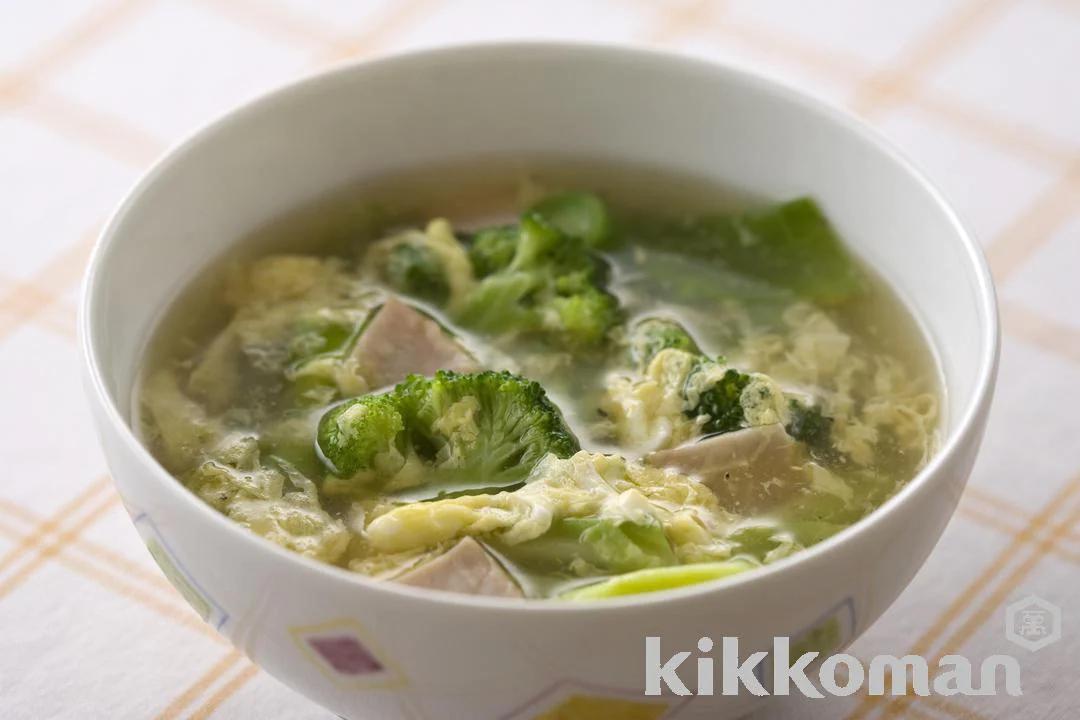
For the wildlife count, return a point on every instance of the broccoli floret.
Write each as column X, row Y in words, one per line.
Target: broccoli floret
column 500, row 303
column 718, row 400
column 353, row 435
column 578, row 215
column 430, row 264
column 543, row 247
column 553, row 285
column 492, row 249
column 416, row 269
column 720, row 397
column 651, row 335
column 811, row 426
column 538, row 276
column 481, row 430
column 583, row 319
column 468, row 432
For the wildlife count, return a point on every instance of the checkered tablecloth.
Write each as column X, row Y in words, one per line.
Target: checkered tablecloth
column 983, row 94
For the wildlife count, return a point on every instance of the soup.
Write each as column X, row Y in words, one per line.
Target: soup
column 576, row 381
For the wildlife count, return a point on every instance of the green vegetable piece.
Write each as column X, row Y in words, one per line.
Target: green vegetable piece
column 656, row 579
column 480, row 431
column 317, row 335
column 498, row 304
column 720, row 402
column 577, row 215
column 353, row 435
column 683, row 279
column 290, row 440
column 506, row 300
column 811, row 532
column 583, row 320
column 809, row 425
column 543, row 246
column 553, row 286
column 417, row 270
column 651, row 335
column 791, row 245
column 796, row 247
column 608, row 545
column 755, row 541
column 476, row 432
column 493, row 249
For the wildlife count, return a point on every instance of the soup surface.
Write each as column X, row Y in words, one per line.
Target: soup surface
column 542, row 379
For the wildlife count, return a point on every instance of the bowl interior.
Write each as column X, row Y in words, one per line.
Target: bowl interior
column 600, row 103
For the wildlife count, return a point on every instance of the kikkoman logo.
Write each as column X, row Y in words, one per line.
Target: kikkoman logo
column 953, row 675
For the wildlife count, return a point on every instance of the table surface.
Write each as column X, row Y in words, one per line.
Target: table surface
column 983, row 95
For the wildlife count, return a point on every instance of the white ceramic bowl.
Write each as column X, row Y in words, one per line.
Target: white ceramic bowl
column 366, row 649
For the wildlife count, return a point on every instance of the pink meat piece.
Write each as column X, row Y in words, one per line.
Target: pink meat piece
column 400, row 341
column 465, row 568
column 749, row 470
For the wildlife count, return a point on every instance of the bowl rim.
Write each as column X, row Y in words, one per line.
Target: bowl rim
column 802, row 102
